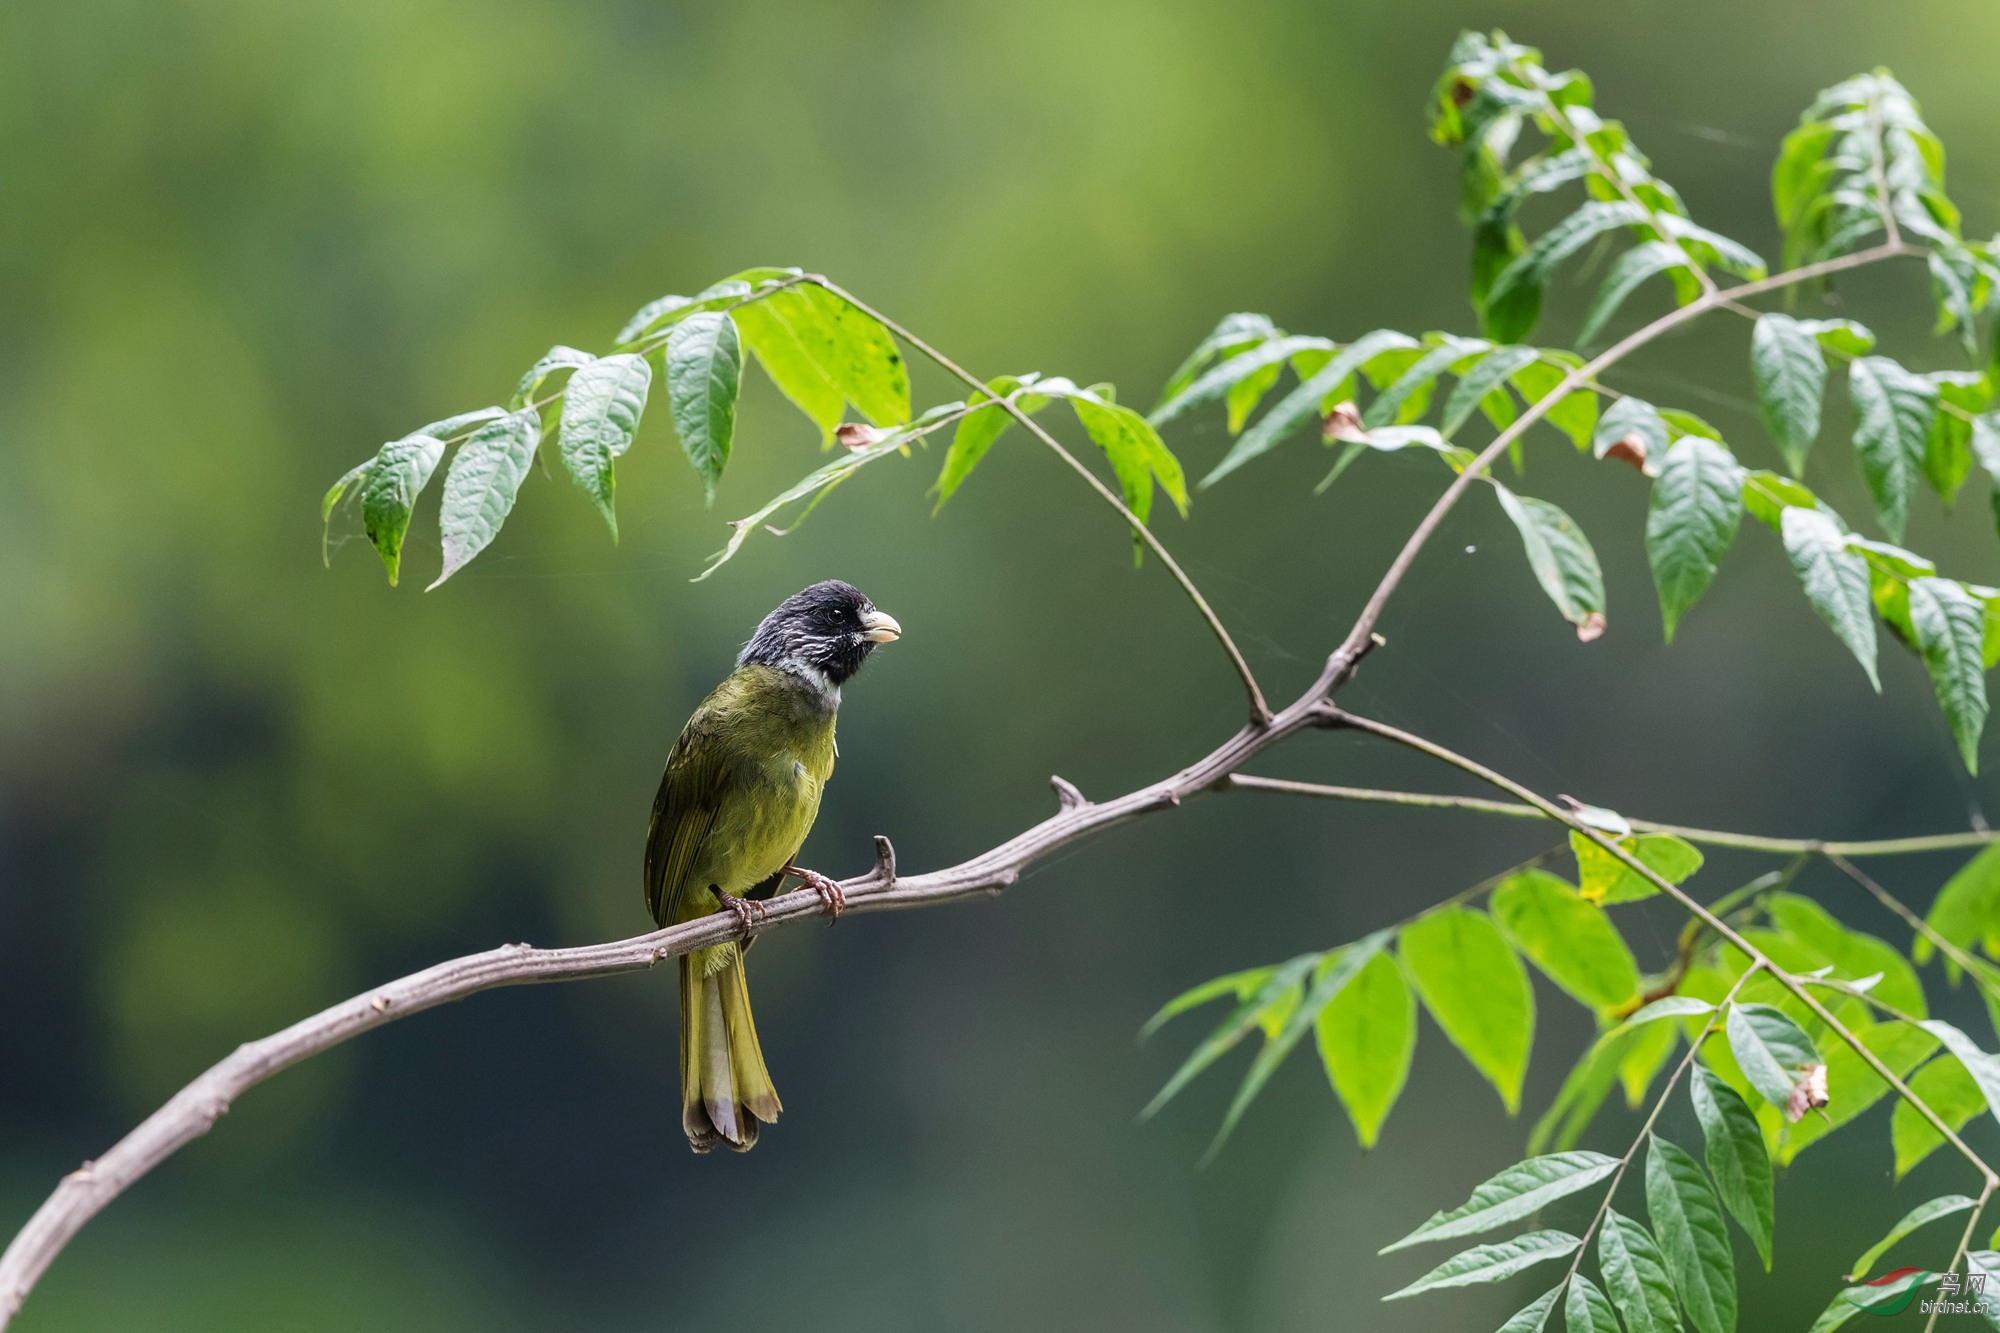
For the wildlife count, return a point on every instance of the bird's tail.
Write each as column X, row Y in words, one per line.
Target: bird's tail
column 725, row 1089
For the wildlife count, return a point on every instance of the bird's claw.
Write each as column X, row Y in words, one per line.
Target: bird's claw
column 829, row 891
column 749, row 915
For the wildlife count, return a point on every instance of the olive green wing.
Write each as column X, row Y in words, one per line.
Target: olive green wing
column 692, row 792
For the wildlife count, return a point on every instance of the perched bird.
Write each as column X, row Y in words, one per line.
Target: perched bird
column 740, row 794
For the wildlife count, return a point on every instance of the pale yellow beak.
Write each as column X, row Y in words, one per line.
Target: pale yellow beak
column 880, row 627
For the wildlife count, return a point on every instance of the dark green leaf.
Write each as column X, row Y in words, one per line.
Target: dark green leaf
column 704, row 374
column 1835, row 580
column 1492, row 1263
column 1534, row 1316
column 1413, row 385
column 395, row 477
column 1588, row 1310
column 553, row 360
column 1232, row 334
column 480, row 486
column 1217, row 380
column 1892, row 410
column 1950, row 628
column 1633, row 267
column 1562, row 560
column 1922, row 1215
column 1967, row 909
column 1477, row 991
column 1734, row 1147
column 1571, row 940
column 1696, row 506
column 1561, row 241
column 1635, row 421
column 1947, row 1089
column 1636, row 1275
column 1367, row 1035
column 1790, row 374
column 1522, row 1189
column 649, row 317
column 1772, row 1051
column 1135, row 450
column 1687, row 1219
column 600, row 415
column 1240, row 984
column 1575, row 413
column 1268, row 1007
column 1984, row 1068
column 978, row 431
column 1480, row 379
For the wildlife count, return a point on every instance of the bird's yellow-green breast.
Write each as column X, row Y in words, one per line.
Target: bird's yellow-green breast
column 742, row 789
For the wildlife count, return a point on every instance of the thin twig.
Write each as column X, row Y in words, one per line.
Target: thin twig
column 1964, row 1244
column 1748, row 842
column 1260, row 710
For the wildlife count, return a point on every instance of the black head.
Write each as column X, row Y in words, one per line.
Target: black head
column 825, row 632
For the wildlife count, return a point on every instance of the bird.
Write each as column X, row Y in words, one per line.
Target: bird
column 741, row 790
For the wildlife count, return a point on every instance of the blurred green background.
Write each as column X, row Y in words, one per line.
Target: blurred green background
column 242, row 243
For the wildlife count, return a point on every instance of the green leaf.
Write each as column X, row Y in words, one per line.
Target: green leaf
column 1522, row 1189
column 1696, row 506
column 1233, row 334
column 1561, row 557
column 1967, row 909
column 1687, row 1218
column 452, row 425
column 1492, row 1263
column 1480, row 379
column 395, row 477
column 1412, row 387
column 1983, row 1068
column 480, row 486
column 1986, row 1263
column 1575, row 413
column 851, row 349
column 789, row 362
column 1950, row 628
column 979, row 430
column 1945, row 1205
column 1303, row 403
column 1854, row 955
column 600, row 415
column 1603, row 878
column 1835, row 580
column 1636, row 1275
column 1843, row 337
column 1135, row 449
column 1478, row 992
column 553, row 360
column 1588, row 1310
column 704, row 375
column 1246, row 393
column 1561, row 241
column 1534, row 1316
column 1790, row 374
column 1569, row 939
column 1330, row 977
column 1734, row 1147
column 1681, row 423
column 331, row 500
column 1892, row 410
column 1268, row 1007
column 1632, row 419
column 1643, row 1062
column 1215, row 382
column 1633, row 268
column 1947, row 1089
column 1367, row 1036
column 1240, row 984
column 651, row 316
column 1853, row 1084
column 1948, row 454
column 1770, row 1049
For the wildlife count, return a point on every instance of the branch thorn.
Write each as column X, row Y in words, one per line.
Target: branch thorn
column 1066, row 794
column 885, row 861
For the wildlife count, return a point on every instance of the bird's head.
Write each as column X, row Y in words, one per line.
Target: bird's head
column 823, row 633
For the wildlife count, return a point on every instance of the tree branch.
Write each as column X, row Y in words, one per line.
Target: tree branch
column 1748, row 842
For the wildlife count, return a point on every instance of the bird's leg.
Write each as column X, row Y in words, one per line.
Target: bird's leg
column 828, row 891
column 749, row 915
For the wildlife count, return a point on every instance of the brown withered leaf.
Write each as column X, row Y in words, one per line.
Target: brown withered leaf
column 1631, row 449
column 1591, row 627
column 1344, row 423
column 856, row 434
column 1808, row 1094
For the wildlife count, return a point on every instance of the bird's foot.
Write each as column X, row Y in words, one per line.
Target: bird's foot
column 829, row 892
column 749, row 915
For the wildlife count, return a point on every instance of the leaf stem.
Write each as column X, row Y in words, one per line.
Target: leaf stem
column 1260, row 710
column 1964, row 1244
column 1748, row 842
